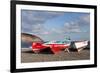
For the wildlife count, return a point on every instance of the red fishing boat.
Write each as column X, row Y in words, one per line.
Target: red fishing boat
column 55, row 46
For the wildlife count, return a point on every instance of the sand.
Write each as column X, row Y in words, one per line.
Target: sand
column 27, row 56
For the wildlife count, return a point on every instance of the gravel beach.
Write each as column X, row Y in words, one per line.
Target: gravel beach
column 27, row 56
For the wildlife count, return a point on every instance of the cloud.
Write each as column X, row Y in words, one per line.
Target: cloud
column 86, row 18
column 46, row 32
column 33, row 21
column 77, row 24
column 56, row 30
column 71, row 27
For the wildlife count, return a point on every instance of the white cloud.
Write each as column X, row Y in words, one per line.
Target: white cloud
column 57, row 30
column 33, row 21
column 71, row 27
column 46, row 32
column 77, row 24
column 85, row 18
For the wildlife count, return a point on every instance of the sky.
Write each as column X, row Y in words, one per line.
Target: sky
column 52, row 25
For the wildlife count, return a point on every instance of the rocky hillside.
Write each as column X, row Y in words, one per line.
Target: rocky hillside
column 27, row 39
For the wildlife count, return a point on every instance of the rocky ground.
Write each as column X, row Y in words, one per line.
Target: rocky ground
column 27, row 56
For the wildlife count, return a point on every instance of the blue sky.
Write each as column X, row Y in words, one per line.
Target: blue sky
column 56, row 25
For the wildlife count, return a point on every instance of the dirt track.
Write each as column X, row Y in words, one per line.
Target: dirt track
column 28, row 56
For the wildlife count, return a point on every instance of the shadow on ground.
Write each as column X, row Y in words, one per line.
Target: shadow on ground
column 45, row 51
